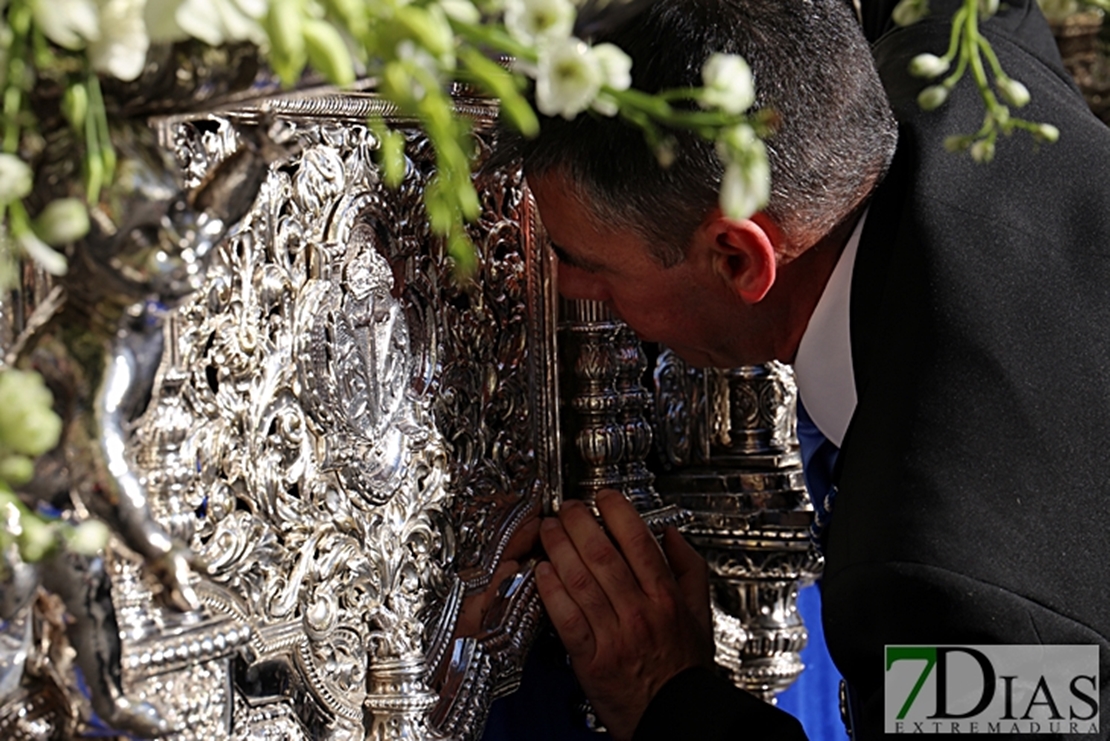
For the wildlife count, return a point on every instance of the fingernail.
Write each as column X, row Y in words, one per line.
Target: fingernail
column 607, row 494
column 543, row 568
column 549, row 523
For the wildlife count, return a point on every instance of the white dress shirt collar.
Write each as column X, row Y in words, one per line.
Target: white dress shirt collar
column 823, row 365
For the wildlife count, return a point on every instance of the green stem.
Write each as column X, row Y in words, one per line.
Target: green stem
column 992, row 58
column 18, row 220
column 971, row 39
column 494, row 38
column 954, row 37
column 19, row 20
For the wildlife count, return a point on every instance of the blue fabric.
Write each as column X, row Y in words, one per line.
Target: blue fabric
column 814, row 698
column 818, row 462
column 547, row 707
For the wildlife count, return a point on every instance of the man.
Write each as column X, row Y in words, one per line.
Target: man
column 950, row 322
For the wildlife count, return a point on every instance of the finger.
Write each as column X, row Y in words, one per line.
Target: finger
column 524, row 540
column 640, row 549
column 600, row 555
column 569, row 621
column 577, row 578
column 692, row 573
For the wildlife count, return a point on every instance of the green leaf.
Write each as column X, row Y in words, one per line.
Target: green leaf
column 284, row 25
column 327, row 52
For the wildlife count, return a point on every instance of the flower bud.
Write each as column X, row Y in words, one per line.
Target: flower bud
column 16, row 178
column 28, row 424
column 728, row 83
column 1046, row 133
column 908, row 12
column 928, row 66
column 1013, row 92
column 63, row 221
column 982, row 151
column 956, row 143
column 665, row 154
column 746, row 183
column 36, row 538
column 987, row 8
column 88, row 537
column 932, row 97
column 75, row 105
column 16, row 469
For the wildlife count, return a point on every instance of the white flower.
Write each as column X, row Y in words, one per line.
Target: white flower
column 161, row 21
column 1013, row 92
column 121, row 47
column 745, row 190
column 214, row 22
column 569, row 79
column 928, row 66
column 746, row 184
column 728, row 83
column 616, row 73
column 68, row 23
column 16, row 178
column 539, row 22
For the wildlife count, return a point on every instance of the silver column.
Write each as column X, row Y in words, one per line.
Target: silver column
column 728, row 438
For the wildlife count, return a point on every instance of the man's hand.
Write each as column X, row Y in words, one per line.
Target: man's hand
column 629, row 620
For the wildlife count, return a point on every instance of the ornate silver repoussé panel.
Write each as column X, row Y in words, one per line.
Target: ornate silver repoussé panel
column 349, row 436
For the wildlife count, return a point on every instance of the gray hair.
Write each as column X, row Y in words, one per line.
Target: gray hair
column 834, row 138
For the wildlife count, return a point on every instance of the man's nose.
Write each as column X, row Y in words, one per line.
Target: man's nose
column 578, row 285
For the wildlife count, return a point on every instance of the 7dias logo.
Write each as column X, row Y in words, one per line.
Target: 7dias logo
column 991, row 689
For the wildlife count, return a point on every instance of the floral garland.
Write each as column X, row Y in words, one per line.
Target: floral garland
column 413, row 48
column 970, row 50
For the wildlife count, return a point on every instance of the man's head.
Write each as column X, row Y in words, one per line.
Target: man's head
column 811, row 65
column 834, row 138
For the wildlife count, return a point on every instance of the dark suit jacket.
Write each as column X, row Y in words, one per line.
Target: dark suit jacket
column 974, row 490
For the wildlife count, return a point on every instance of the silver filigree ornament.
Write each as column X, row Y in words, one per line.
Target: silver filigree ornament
column 355, row 442
column 323, row 480
column 97, row 341
column 352, row 439
column 728, row 437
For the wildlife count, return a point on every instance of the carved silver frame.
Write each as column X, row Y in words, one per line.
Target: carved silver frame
column 350, row 436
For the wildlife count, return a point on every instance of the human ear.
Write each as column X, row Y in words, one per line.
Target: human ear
column 743, row 254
